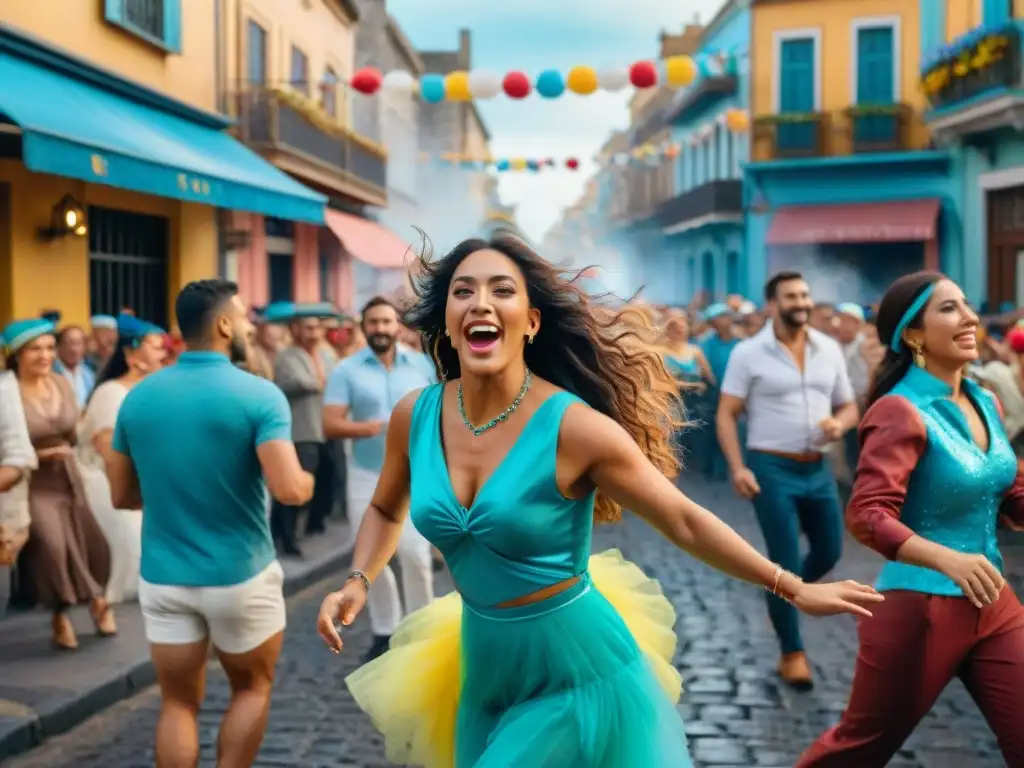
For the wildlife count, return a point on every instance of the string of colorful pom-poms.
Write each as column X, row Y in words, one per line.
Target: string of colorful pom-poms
column 433, row 88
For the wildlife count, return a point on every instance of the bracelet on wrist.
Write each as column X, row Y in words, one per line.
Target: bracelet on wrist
column 777, row 588
column 361, row 577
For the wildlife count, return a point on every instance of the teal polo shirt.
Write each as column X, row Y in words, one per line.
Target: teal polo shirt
column 371, row 391
column 192, row 430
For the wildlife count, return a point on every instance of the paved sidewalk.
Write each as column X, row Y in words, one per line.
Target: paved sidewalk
column 44, row 692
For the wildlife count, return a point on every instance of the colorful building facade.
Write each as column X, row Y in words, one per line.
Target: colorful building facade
column 844, row 182
column 283, row 71
column 971, row 72
column 703, row 221
column 115, row 161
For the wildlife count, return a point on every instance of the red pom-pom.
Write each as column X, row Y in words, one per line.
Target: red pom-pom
column 516, row 85
column 1015, row 339
column 572, row 164
column 643, row 74
column 367, row 80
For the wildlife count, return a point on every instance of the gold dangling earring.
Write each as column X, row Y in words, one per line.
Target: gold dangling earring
column 437, row 357
column 919, row 360
column 529, row 339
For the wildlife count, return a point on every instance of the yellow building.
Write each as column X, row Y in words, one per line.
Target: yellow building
column 113, row 159
column 284, row 71
column 844, row 184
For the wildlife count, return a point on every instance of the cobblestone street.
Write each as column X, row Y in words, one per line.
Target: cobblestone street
column 737, row 714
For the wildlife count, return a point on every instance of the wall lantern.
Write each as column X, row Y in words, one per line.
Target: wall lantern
column 68, row 219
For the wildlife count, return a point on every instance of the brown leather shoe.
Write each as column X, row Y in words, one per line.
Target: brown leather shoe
column 64, row 638
column 795, row 671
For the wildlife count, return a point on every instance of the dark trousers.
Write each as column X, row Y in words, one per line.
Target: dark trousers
column 796, row 496
column 910, row 649
column 284, row 519
column 324, row 489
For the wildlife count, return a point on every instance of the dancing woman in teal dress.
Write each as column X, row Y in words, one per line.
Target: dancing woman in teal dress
column 546, row 419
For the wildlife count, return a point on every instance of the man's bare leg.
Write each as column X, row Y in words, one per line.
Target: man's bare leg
column 181, row 675
column 251, row 676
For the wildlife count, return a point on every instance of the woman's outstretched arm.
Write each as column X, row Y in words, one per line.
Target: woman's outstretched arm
column 607, row 456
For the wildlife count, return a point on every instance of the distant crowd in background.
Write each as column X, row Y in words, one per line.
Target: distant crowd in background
column 700, row 338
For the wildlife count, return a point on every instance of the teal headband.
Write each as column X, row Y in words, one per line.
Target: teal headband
column 897, row 336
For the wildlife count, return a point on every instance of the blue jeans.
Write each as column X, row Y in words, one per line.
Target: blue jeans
column 796, row 496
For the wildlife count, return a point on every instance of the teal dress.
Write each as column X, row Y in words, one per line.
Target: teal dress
column 560, row 683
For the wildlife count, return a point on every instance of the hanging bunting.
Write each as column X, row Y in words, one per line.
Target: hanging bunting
column 673, row 72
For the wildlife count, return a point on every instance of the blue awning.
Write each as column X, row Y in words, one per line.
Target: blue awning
column 75, row 127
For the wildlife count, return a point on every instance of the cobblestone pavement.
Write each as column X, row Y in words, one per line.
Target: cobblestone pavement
column 737, row 714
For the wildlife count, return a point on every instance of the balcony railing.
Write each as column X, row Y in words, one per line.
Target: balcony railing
column 857, row 129
column 723, row 197
column 794, row 135
column 977, row 65
column 879, row 127
column 276, row 120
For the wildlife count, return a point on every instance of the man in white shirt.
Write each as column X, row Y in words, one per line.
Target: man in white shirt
column 791, row 381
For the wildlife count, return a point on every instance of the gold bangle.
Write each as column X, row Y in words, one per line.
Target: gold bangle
column 779, row 570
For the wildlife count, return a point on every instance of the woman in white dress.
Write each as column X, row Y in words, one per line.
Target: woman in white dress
column 141, row 350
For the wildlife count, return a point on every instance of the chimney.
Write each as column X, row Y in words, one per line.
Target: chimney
column 465, row 53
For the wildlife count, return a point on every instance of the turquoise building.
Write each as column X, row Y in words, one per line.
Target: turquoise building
column 845, row 183
column 977, row 111
column 702, row 224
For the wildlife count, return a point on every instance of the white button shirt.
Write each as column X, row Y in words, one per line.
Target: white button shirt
column 785, row 405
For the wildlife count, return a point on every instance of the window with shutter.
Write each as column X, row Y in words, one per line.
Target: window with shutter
column 797, row 93
column 156, row 21
column 875, row 84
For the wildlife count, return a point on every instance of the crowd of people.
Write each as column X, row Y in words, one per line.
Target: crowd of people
column 488, row 424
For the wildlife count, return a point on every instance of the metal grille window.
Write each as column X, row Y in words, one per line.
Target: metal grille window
column 146, row 15
column 128, row 264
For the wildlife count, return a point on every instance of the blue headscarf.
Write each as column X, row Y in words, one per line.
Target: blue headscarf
column 132, row 330
column 321, row 309
column 279, row 312
column 21, row 332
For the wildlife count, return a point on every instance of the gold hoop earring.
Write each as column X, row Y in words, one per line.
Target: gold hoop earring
column 437, row 357
column 918, row 353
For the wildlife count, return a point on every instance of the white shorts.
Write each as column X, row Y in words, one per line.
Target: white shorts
column 236, row 619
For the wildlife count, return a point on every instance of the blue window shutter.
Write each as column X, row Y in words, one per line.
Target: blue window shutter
column 113, row 10
column 796, row 76
column 172, row 25
column 995, row 12
column 933, row 25
column 875, row 52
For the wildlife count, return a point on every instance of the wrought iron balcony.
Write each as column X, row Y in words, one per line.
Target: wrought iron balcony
column 879, row 127
column 793, row 135
column 723, row 197
column 279, row 122
column 977, row 65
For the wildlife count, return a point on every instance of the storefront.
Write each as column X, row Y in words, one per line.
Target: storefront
column 853, row 224
column 109, row 191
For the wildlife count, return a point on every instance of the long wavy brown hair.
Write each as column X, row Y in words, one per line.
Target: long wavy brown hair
column 607, row 357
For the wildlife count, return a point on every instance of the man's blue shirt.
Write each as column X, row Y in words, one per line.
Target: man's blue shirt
column 371, row 391
column 192, row 431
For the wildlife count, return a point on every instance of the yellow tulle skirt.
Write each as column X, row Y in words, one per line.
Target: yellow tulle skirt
column 582, row 679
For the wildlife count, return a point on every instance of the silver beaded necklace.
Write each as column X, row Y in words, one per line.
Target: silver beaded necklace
column 477, row 431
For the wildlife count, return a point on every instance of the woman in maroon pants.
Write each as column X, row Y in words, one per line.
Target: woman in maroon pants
column 936, row 470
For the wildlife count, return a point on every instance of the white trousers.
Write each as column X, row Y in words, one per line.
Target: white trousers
column 414, row 557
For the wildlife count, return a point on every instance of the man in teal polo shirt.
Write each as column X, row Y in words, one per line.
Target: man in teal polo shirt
column 193, row 444
column 361, row 393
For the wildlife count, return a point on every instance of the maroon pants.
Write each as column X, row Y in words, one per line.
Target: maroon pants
column 912, row 647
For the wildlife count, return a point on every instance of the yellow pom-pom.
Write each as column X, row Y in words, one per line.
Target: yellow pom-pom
column 582, row 80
